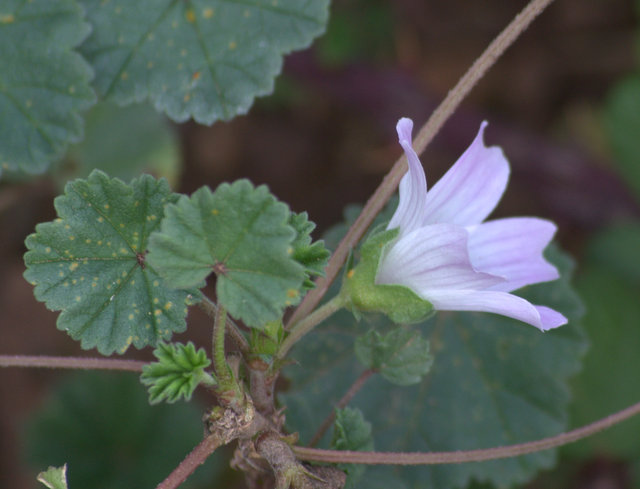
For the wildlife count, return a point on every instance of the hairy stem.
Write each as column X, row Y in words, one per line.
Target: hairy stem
column 219, row 357
column 346, row 399
column 424, row 137
column 191, row 462
column 70, row 362
column 301, row 328
column 211, row 308
column 429, row 458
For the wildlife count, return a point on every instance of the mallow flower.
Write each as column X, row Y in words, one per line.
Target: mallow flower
column 439, row 246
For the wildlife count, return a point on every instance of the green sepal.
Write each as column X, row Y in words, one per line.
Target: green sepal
column 401, row 356
column 177, row 373
column 265, row 343
column 312, row 256
column 351, row 432
column 399, row 303
column 54, row 477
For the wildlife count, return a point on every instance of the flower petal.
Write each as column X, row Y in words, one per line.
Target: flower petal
column 413, row 187
column 512, row 248
column 472, row 187
column 431, row 257
column 497, row 302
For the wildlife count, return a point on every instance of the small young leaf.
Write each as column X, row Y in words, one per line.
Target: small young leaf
column 401, row 356
column 205, row 59
column 312, row 256
column 43, row 84
column 54, row 477
column 90, row 264
column 177, row 373
column 240, row 232
column 351, row 432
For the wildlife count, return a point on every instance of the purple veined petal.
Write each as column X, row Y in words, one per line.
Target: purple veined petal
column 413, row 187
column 512, row 248
column 496, row 302
column 433, row 256
column 472, row 187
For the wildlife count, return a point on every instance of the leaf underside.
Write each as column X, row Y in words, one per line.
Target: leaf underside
column 90, row 264
column 205, row 59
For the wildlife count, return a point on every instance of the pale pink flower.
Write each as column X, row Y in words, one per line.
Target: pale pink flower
column 449, row 256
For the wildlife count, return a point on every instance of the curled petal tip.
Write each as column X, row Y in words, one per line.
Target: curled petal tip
column 550, row 319
column 404, row 129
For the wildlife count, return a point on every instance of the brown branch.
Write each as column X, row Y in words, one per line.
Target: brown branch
column 191, row 462
column 71, row 362
column 430, row 458
column 346, row 399
column 390, row 182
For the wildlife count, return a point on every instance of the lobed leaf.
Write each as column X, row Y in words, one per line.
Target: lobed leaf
column 44, row 84
column 90, row 263
column 401, row 356
column 54, row 477
column 240, row 232
column 206, row 59
column 177, row 373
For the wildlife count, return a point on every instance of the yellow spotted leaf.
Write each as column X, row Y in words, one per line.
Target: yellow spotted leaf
column 90, row 264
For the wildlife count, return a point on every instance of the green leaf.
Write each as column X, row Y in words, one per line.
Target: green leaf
column 44, row 84
column 103, row 425
column 351, row 432
column 240, row 232
column 400, row 356
column 177, row 373
column 494, row 381
column 206, row 59
column 622, row 124
column 90, row 264
column 54, row 477
column 123, row 142
column 312, row 256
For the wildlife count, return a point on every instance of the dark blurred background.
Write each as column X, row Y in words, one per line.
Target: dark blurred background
column 326, row 137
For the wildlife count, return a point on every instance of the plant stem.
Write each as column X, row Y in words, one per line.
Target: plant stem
column 346, row 399
column 70, row 362
column 423, row 138
column 211, row 308
column 429, row 458
column 191, row 462
column 301, row 328
column 219, row 357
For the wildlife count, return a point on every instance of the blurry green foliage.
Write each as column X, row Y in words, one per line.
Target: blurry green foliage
column 102, row 425
column 351, row 432
column 622, row 125
column 358, row 30
column 608, row 282
column 123, row 142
